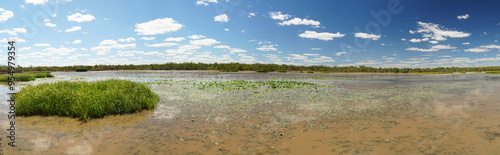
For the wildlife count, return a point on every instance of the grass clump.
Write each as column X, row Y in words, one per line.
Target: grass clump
column 493, row 72
column 262, row 71
column 85, row 100
column 325, row 72
column 40, row 74
column 18, row 77
column 228, row 71
column 282, row 71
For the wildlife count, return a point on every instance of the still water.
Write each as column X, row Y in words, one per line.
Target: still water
column 346, row 114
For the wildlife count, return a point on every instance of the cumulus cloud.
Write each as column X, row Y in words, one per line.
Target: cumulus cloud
column 148, row 38
column 418, row 40
column 267, row 48
column 177, row 39
column 204, row 42
column 223, row 46
column 279, row 16
column 432, row 49
column 484, row 48
column 251, row 14
column 50, row 24
column 321, row 36
column 439, row 33
column 297, row 57
column 366, row 36
column 466, row 16
column 14, row 31
column 237, row 50
column 315, row 49
column 107, row 45
column 466, row 43
column 223, row 18
column 5, row 15
column 158, row 26
column 77, row 41
column 320, row 59
column 74, row 28
column 340, row 53
column 298, row 21
column 129, row 39
column 163, row 45
column 196, row 36
column 78, row 17
column 36, row 2
column 59, row 51
column 205, row 2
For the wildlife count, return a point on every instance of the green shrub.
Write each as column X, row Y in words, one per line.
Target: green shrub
column 81, row 70
column 282, row 71
column 310, row 72
column 325, row 72
column 493, row 72
column 84, row 100
column 262, row 71
column 18, row 77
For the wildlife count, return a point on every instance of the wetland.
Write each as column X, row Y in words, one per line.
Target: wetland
column 211, row 112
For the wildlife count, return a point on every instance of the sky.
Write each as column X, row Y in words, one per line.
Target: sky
column 375, row 33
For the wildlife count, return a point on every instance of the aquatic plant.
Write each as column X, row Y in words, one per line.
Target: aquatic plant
column 83, row 99
column 18, row 77
column 40, row 74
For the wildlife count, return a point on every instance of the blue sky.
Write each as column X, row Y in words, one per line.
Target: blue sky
column 382, row 33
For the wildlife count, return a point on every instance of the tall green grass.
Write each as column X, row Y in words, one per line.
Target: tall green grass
column 40, row 74
column 18, row 77
column 85, row 100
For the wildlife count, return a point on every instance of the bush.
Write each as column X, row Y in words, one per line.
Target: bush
column 81, row 70
column 85, row 100
column 262, row 71
column 310, row 72
column 282, row 71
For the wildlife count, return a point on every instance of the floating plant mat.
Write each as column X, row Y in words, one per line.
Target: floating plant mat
column 235, row 115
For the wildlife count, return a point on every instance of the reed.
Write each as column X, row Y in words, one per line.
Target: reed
column 84, row 100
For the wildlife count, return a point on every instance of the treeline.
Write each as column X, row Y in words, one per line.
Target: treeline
column 249, row 67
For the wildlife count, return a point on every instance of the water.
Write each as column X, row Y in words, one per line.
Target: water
column 347, row 114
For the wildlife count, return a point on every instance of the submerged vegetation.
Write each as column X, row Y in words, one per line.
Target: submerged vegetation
column 26, row 76
column 250, row 67
column 85, row 100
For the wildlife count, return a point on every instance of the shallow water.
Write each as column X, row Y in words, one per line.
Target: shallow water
column 346, row 114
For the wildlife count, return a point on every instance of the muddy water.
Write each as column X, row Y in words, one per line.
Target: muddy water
column 347, row 114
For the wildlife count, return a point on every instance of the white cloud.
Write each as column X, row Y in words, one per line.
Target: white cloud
column 298, row 57
column 36, row 2
column 196, row 36
column 163, row 45
column 466, row 16
column 267, row 48
column 236, row 50
column 222, row 46
column 41, row 44
column 315, row 49
column 78, row 17
column 204, row 42
column 39, row 55
column 77, row 41
column 158, row 26
column 366, row 36
column 226, row 29
column 74, row 28
column 321, row 36
column 5, row 15
column 340, row 53
column 466, row 43
column 491, row 46
column 14, row 31
column 148, row 38
column 177, row 39
column 251, row 14
column 432, row 49
column 247, row 59
column 320, row 59
column 437, row 32
column 205, row 2
column 50, row 25
column 107, row 45
column 477, row 50
column 223, row 18
column 433, row 41
column 298, row 21
column 129, row 39
column 108, row 42
column 279, row 16
column 17, row 40
column 413, row 40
